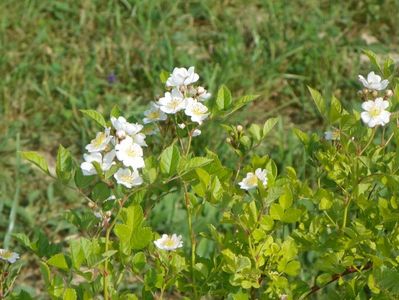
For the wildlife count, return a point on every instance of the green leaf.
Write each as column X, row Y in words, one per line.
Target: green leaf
column 335, row 110
column 268, row 126
column 276, row 211
column 318, row 100
column 163, row 76
column 292, row 268
column 194, row 163
column 373, row 59
column 286, row 199
column 96, row 116
column 64, row 166
column 169, row 160
column 302, row 136
column 255, row 132
column 82, row 181
column 223, row 99
column 70, row 294
column 139, row 262
column 58, row 261
column 292, row 215
column 36, row 159
column 101, row 192
column 141, row 238
column 115, row 112
column 46, row 274
column 242, row 101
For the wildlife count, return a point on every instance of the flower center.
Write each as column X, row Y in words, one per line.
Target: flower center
column 169, row 243
column 253, row 180
column 375, row 112
column 131, row 152
column 126, row 178
column 6, row 254
column 99, row 140
column 153, row 115
column 174, row 103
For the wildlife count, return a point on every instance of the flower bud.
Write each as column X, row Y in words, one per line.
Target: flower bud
column 365, row 91
column 108, row 214
column 374, row 93
column 389, row 93
column 239, row 128
column 228, row 140
column 91, row 205
column 121, row 134
column 200, row 90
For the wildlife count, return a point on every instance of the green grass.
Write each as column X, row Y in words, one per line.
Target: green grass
column 55, row 57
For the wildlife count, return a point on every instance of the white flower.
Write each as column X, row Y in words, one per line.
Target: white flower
column 331, row 135
column 182, row 76
column 128, row 178
column 373, row 82
column 105, row 163
column 196, row 132
column 169, row 242
column 9, row 256
column 130, row 153
column 203, row 94
column 375, row 113
column 123, row 128
column 154, row 114
column 251, row 180
column 172, row 102
column 100, row 142
column 196, row 110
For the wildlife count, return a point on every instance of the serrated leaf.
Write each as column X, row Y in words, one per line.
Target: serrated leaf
column 223, row 99
column 302, row 136
column 169, row 160
column 318, row 100
column 115, row 112
column 37, row 159
column 373, row 59
column 255, row 132
column 96, row 116
column 58, row 261
column 268, row 126
column 64, row 166
column 240, row 102
column 195, row 162
column 276, row 211
column 70, row 294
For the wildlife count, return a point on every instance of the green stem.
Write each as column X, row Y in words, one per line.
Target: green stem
column 192, row 237
column 107, row 240
column 346, row 213
column 13, row 213
column 369, row 142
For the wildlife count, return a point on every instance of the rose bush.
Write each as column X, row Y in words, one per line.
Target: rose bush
column 278, row 236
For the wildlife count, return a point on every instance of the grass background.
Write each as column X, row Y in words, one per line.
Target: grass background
column 56, row 57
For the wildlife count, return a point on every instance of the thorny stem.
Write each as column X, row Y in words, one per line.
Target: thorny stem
column 335, row 277
column 107, row 240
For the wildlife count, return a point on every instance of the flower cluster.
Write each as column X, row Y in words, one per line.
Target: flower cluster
column 374, row 110
column 8, row 256
column 182, row 99
column 119, row 146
